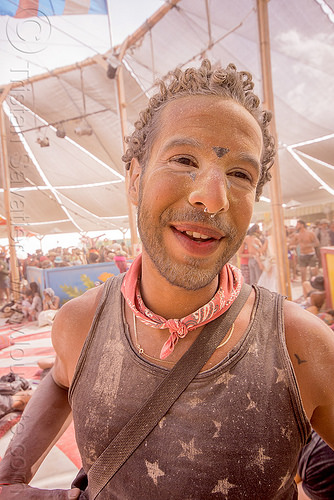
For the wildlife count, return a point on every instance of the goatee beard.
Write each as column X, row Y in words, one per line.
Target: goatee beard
column 189, row 275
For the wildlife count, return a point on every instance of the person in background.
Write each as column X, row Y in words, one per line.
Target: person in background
column 51, row 303
column 50, row 300
column 115, row 247
column 267, row 263
column 4, row 280
column 323, row 235
column 120, row 261
column 52, row 257
column 125, row 249
column 93, row 257
column 27, row 297
column 244, row 257
column 331, row 233
column 314, row 294
column 110, row 256
column 36, row 305
column 307, row 243
column 254, row 247
column 292, row 253
column 78, row 258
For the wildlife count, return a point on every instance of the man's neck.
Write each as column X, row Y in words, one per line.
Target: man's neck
column 170, row 301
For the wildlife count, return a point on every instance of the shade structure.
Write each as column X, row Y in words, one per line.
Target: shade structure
column 81, row 189
column 76, row 182
column 301, row 37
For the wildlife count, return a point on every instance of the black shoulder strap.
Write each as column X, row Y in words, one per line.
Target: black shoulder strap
column 164, row 396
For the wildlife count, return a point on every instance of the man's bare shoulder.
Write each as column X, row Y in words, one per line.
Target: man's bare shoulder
column 304, row 327
column 79, row 312
column 69, row 331
column 310, row 344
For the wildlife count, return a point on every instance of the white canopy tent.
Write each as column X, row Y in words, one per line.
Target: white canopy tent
column 301, row 39
column 302, row 36
column 77, row 182
column 69, row 188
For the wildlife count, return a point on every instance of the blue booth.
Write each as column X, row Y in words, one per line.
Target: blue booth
column 71, row 281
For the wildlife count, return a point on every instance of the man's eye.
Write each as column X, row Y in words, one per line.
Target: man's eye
column 184, row 160
column 240, row 174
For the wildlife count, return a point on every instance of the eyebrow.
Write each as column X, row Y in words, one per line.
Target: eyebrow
column 249, row 158
column 181, row 141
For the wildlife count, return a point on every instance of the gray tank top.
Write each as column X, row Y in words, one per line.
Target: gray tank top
column 235, row 433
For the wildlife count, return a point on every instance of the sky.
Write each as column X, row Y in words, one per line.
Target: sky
column 36, row 45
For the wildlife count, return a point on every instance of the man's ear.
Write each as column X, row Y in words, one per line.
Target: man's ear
column 134, row 178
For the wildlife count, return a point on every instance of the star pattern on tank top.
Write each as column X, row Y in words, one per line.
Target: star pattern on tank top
column 193, row 402
column 188, row 450
column 225, row 378
column 284, row 480
column 223, row 486
column 259, row 459
column 153, row 471
column 254, row 349
column 252, row 405
column 218, row 426
column 162, row 422
column 281, row 375
column 286, row 432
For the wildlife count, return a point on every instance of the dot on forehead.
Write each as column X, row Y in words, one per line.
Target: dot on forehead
column 220, row 152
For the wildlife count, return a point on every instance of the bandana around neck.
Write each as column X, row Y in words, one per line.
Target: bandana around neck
column 230, row 281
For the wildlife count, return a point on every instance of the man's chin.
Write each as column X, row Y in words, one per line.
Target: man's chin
column 188, row 277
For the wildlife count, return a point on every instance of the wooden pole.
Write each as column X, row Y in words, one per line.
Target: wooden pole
column 283, row 275
column 14, row 270
column 147, row 25
column 55, row 72
column 120, row 51
column 207, row 10
column 124, row 131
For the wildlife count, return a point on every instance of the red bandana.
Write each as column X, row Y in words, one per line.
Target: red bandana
column 230, row 281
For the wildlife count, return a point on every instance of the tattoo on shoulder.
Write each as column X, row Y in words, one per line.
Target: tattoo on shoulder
column 300, row 361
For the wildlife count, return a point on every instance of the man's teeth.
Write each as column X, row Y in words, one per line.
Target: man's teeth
column 197, row 236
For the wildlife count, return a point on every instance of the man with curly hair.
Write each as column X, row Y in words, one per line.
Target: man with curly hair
column 197, row 159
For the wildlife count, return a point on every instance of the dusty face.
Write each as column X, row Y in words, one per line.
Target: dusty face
column 206, row 155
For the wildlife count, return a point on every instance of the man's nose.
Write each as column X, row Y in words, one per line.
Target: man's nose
column 210, row 191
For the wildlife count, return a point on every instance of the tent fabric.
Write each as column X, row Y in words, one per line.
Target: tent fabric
column 77, row 183
column 302, row 68
column 85, row 188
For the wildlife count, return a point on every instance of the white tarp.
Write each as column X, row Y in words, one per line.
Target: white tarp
column 88, row 190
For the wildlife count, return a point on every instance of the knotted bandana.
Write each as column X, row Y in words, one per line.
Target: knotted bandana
column 230, row 281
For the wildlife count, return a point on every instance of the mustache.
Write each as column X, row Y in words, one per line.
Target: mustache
column 196, row 215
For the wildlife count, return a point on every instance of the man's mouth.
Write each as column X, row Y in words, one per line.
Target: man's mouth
column 197, row 236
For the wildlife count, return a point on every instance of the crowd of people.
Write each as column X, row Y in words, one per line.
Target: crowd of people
column 304, row 241
column 105, row 251
column 34, row 306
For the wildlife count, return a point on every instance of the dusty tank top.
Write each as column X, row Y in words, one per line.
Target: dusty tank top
column 235, row 433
